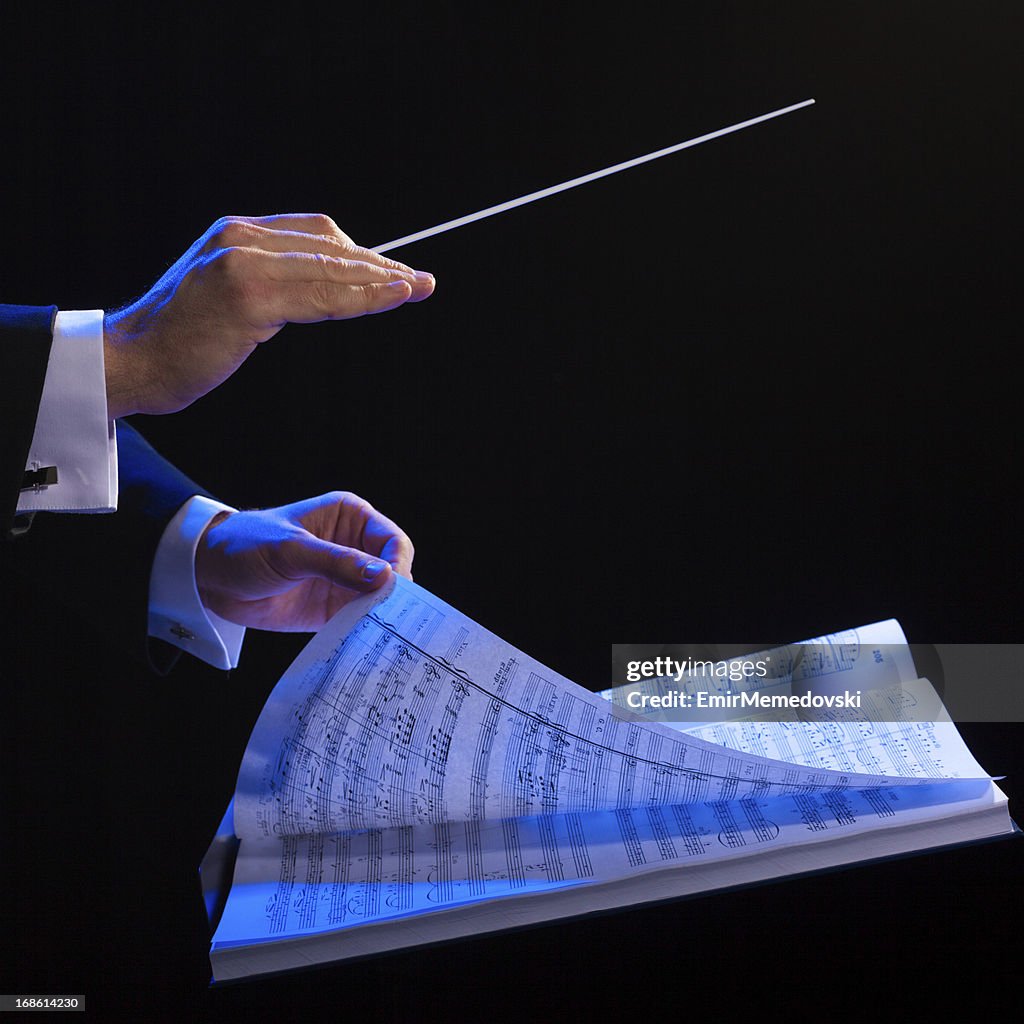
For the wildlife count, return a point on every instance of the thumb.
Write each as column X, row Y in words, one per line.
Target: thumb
column 342, row 566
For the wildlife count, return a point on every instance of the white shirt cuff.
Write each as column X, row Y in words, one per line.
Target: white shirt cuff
column 176, row 614
column 72, row 431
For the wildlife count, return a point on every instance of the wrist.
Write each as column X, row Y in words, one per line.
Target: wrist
column 119, row 369
column 177, row 613
column 205, row 569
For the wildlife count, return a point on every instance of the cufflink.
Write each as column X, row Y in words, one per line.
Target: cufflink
column 182, row 633
column 35, row 479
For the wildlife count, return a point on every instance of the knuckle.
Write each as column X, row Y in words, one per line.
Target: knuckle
column 218, row 226
column 323, row 263
column 321, row 224
column 370, row 299
column 377, row 272
column 361, row 505
column 230, row 262
column 233, row 231
column 210, row 239
column 322, row 298
column 237, row 283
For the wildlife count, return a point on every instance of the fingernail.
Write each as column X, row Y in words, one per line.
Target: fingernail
column 373, row 569
column 422, row 275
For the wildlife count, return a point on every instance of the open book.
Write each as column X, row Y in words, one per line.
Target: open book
column 413, row 778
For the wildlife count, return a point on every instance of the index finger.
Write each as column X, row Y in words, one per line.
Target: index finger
column 321, row 225
column 385, row 539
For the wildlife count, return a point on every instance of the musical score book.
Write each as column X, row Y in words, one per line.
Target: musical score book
column 414, row 779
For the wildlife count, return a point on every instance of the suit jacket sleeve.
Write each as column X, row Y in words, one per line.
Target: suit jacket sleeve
column 25, row 336
column 99, row 565
column 96, row 564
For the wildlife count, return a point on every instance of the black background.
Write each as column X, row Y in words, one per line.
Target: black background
column 763, row 389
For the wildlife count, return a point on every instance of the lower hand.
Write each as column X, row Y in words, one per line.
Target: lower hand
column 291, row 568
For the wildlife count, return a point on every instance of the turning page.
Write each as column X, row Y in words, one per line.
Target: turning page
column 402, row 711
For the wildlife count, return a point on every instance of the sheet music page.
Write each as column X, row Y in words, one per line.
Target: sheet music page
column 379, row 703
column 302, row 885
column 859, row 741
column 901, row 730
column 402, row 711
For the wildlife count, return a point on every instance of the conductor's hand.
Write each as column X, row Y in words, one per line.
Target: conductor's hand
column 236, row 287
column 292, row 568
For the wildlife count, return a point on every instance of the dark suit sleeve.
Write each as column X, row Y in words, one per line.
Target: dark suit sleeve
column 99, row 565
column 25, row 336
column 96, row 566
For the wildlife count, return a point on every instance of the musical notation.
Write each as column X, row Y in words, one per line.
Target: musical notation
column 410, row 761
column 413, row 714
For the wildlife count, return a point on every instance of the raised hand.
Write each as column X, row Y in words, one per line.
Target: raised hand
column 234, row 289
